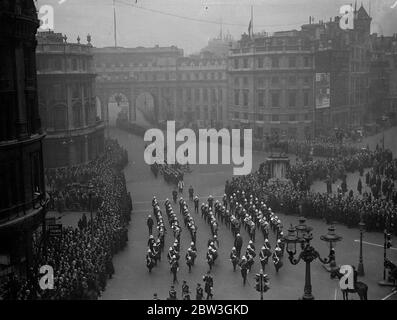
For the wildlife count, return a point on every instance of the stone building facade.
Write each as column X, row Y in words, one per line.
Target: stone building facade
column 66, row 84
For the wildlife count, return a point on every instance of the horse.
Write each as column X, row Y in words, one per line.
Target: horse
column 359, row 287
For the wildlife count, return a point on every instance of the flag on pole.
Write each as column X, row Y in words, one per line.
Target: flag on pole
column 251, row 24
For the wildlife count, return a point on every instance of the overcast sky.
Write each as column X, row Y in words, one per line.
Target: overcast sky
column 151, row 22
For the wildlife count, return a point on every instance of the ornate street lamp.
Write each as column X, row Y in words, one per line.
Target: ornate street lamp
column 360, row 268
column 302, row 234
column 331, row 237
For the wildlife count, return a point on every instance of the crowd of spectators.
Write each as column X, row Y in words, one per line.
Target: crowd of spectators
column 81, row 257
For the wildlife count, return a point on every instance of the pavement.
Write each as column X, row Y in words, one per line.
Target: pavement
column 133, row 281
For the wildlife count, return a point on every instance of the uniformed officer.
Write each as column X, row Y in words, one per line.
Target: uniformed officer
column 199, row 292
column 150, row 223
column 172, row 294
column 238, row 243
column 196, row 204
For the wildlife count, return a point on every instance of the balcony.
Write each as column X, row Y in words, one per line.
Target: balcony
column 21, row 212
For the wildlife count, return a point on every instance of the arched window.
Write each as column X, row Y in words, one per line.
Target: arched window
column 77, row 115
column 60, row 117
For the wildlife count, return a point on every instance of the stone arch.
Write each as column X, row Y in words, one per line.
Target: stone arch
column 146, row 108
column 117, row 106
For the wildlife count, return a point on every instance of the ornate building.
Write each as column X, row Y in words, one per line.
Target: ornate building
column 271, row 84
column 345, row 56
column 159, row 84
column 66, row 85
column 22, row 185
column 301, row 83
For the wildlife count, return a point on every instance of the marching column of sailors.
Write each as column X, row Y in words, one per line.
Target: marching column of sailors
column 236, row 211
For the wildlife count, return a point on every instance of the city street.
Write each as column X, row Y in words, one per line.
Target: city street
column 133, row 281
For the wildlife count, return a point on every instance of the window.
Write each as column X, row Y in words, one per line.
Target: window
column 235, row 63
column 205, row 94
column 74, row 64
column 236, row 115
column 245, row 81
column 213, row 95
column 245, row 115
column 167, row 76
column 275, row 80
column 275, row 100
column 292, row 117
column 292, row 132
column 306, row 80
column 58, row 64
column 275, row 62
column 260, row 117
column 60, row 118
column 75, row 91
column 306, row 98
column 236, row 97
column 306, row 62
column 245, row 62
column 292, row 80
column 220, row 94
column 37, row 185
column 77, row 118
column 261, row 98
column 245, row 98
column 292, row 62
column 292, row 98
column 306, row 116
column 275, row 117
column 236, row 81
column 197, row 94
column 260, row 62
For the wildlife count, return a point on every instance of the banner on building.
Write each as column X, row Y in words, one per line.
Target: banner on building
column 323, row 90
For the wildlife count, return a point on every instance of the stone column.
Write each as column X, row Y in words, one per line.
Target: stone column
column 132, row 111
column 83, row 105
column 69, row 106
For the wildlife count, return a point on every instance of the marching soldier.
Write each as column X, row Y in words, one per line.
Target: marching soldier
column 150, row 223
column 278, row 263
column 199, row 292
column 151, row 242
column 191, row 192
column 234, row 258
column 175, row 195
column 196, row 204
column 185, row 291
column 172, row 294
column 244, row 269
column 211, row 202
column 238, row 243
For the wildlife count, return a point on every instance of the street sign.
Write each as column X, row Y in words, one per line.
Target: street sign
column 55, row 230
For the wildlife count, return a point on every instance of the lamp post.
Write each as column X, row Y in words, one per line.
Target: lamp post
column 302, row 234
column 331, row 237
column 360, row 268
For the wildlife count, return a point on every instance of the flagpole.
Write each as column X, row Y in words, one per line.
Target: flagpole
column 252, row 20
column 114, row 24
